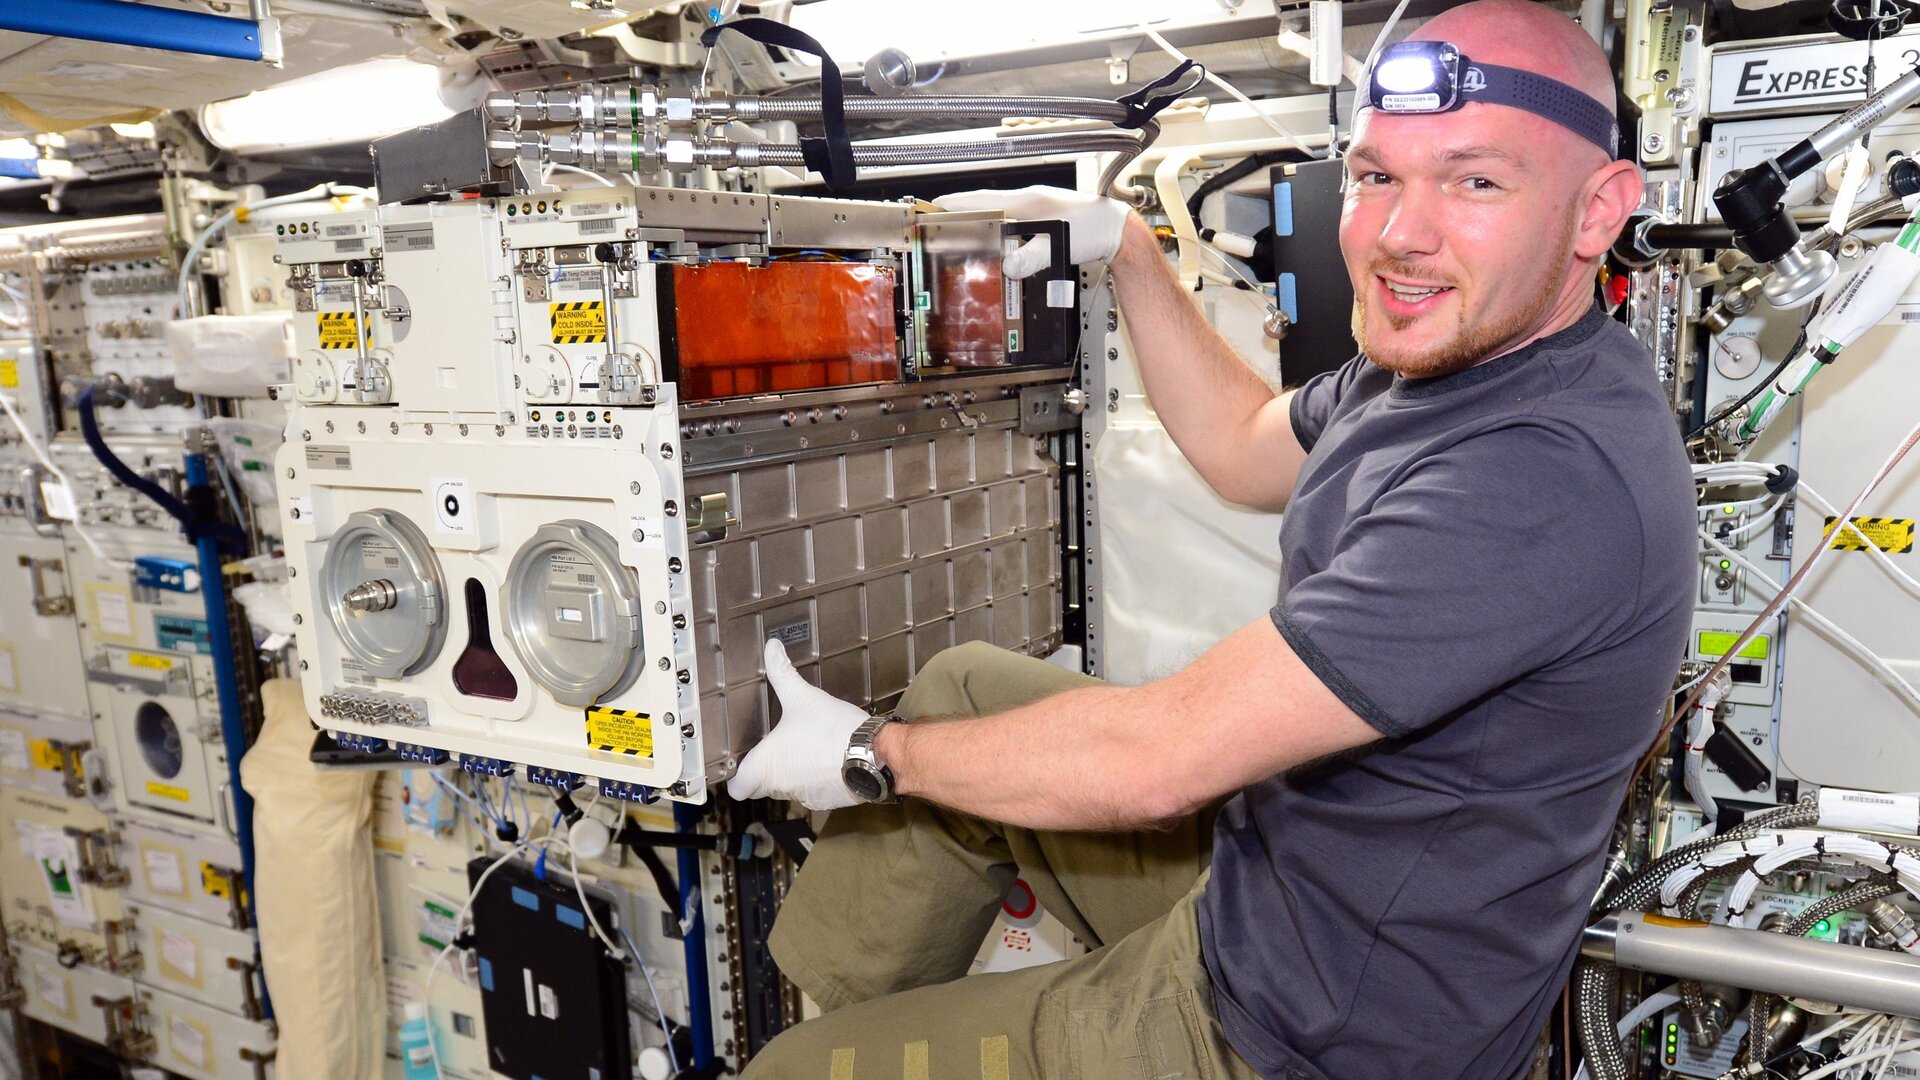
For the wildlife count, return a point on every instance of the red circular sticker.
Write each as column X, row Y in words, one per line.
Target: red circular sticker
column 1020, row 901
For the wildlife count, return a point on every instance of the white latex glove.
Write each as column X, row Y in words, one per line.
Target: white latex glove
column 800, row 758
column 1094, row 223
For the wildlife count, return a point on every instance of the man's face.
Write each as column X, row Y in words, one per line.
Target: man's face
column 1458, row 233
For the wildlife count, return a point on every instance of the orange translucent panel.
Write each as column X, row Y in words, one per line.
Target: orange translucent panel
column 745, row 329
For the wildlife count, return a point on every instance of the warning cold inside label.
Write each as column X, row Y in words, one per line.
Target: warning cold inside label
column 336, row 329
column 1891, row 535
column 577, row 321
column 620, row 731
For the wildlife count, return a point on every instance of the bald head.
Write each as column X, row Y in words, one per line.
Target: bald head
column 1529, row 36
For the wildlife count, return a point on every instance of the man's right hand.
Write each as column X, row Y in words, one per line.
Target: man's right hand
column 1095, row 223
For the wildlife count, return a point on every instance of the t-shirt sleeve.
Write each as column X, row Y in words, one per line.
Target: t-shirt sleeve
column 1499, row 556
column 1315, row 400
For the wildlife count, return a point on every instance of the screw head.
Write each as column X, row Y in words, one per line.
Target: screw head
column 634, row 488
column 298, row 619
column 659, row 607
column 665, row 664
column 303, row 665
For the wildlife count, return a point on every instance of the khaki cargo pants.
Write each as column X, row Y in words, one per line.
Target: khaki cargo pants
column 894, row 901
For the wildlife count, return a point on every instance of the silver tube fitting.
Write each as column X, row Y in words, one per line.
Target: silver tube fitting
column 1869, row 979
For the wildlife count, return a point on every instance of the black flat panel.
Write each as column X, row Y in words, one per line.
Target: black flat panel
column 554, row 1000
column 1314, row 288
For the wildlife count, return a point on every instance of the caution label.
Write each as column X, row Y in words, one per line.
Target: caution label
column 577, row 322
column 44, row 755
column 620, row 731
column 9, row 374
column 168, row 791
column 337, row 329
column 1891, row 535
column 215, row 881
column 150, row 661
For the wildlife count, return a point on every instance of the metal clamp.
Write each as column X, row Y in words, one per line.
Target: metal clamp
column 99, row 860
column 710, row 516
column 45, row 602
column 127, row 1034
column 73, row 768
column 35, row 500
column 259, row 1059
column 122, row 947
column 249, row 986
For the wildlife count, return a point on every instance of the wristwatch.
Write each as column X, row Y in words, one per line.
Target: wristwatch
column 861, row 770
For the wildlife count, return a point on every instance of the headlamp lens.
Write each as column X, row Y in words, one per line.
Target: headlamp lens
column 1406, row 74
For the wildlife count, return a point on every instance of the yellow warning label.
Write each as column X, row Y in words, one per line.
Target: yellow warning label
column 9, row 374
column 1891, row 535
column 168, row 791
column 44, row 755
column 620, row 731
column 215, row 881
column 150, row 661
column 577, row 322
column 336, row 329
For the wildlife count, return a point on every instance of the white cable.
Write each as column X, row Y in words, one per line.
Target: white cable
column 554, row 167
column 232, row 214
column 1785, row 593
column 60, row 477
column 1873, row 549
column 646, row 973
column 1380, row 41
column 1832, row 1067
column 1895, row 682
column 580, row 890
column 1279, row 128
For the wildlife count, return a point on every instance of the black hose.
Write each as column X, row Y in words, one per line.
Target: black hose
column 1757, row 389
column 1239, row 170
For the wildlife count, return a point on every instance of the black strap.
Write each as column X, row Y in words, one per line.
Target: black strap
column 1145, row 103
column 831, row 157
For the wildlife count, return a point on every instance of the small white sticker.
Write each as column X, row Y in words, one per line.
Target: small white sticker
column 14, row 756
column 115, row 613
column 51, row 985
column 549, row 1003
column 188, row 1041
column 180, row 956
column 59, row 501
column 452, row 506
column 645, row 529
column 163, row 872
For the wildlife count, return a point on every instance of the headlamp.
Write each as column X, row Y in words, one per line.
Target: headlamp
column 1418, row 77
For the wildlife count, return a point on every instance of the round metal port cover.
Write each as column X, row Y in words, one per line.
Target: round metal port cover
column 572, row 612
column 403, row 636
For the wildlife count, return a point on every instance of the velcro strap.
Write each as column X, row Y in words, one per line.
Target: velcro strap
column 831, row 157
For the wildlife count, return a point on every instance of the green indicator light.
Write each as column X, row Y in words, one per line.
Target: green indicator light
column 1823, row 927
column 510, row 210
column 1726, row 564
column 1727, row 510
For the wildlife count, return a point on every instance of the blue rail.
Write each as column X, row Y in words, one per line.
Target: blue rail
column 117, row 22
column 699, row 993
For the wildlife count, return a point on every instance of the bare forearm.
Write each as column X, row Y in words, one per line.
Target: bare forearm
column 1219, row 413
column 1073, row 761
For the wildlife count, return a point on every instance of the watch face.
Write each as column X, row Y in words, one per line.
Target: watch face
column 861, row 782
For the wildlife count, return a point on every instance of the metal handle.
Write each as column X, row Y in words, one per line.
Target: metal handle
column 225, row 814
column 45, row 603
column 43, row 523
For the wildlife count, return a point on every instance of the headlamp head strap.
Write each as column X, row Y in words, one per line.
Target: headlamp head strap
column 1416, row 77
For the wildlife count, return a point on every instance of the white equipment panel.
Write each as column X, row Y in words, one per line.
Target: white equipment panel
column 64, row 885
column 46, row 753
column 66, row 997
column 41, row 669
column 213, row 965
column 189, row 873
column 203, row 1043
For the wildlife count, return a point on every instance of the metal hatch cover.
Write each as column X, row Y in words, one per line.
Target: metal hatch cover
column 381, row 586
column 572, row 612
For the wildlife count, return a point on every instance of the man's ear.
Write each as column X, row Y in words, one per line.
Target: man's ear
column 1609, row 196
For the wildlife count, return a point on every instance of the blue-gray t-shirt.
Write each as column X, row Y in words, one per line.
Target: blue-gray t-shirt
column 1493, row 568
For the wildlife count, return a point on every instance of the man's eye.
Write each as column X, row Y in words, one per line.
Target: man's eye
column 1373, row 179
column 1481, row 183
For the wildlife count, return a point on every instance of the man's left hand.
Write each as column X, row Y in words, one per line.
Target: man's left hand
column 800, row 758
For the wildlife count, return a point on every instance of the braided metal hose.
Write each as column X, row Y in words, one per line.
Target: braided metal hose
column 1598, row 987
column 1073, row 142
column 1640, row 889
column 1075, row 108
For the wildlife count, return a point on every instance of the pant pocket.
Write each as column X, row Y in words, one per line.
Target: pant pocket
column 1117, row 1036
